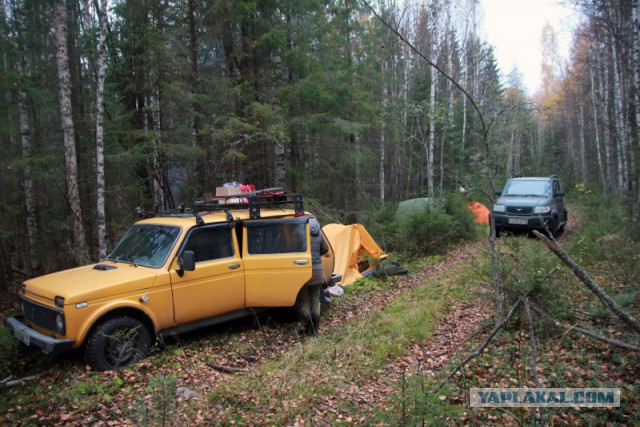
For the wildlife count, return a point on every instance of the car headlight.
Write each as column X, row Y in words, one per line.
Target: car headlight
column 541, row 209
column 499, row 208
column 60, row 323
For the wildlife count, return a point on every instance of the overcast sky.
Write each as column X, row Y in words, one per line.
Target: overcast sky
column 514, row 28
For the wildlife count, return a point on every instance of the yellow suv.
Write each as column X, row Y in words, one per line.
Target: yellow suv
column 171, row 274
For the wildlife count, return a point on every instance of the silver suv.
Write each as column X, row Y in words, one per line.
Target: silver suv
column 531, row 203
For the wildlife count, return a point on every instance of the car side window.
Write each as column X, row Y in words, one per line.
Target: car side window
column 210, row 243
column 556, row 187
column 276, row 236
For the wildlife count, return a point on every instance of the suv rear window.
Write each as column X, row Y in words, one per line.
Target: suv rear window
column 277, row 236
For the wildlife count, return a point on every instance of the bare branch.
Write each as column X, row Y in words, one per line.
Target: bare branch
column 582, row 274
column 228, row 369
column 575, row 328
column 534, row 351
column 8, row 382
column 611, row 341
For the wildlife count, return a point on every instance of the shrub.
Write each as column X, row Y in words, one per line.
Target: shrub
column 8, row 349
column 527, row 268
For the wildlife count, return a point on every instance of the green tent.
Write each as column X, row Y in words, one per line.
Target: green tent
column 407, row 207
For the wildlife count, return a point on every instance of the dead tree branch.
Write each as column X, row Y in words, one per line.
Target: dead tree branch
column 9, row 382
column 228, row 369
column 534, row 352
column 610, row 341
column 587, row 332
column 582, row 274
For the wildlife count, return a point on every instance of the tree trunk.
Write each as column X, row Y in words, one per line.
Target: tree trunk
column 383, row 128
column 607, row 136
column 618, row 120
column 279, row 162
column 432, row 128
column 596, row 130
column 100, row 181
column 27, row 182
column 25, row 141
column 582, row 146
column 66, row 117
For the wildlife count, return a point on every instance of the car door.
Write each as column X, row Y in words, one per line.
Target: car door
column 216, row 286
column 277, row 260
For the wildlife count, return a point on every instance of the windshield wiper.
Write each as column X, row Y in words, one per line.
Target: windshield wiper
column 124, row 259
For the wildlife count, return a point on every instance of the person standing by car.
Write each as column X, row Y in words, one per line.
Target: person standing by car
column 308, row 301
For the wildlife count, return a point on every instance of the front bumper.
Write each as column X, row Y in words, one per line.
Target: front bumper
column 31, row 337
column 522, row 222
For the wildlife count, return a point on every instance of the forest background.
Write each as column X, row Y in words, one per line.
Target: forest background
column 112, row 105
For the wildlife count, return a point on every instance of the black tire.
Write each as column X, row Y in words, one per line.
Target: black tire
column 553, row 227
column 117, row 343
column 564, row 224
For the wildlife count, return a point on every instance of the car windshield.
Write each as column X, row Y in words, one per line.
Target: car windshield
column 147, row 245
column 527, row 189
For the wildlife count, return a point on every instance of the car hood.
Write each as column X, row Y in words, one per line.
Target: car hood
column 522, row 201
column 88, row 283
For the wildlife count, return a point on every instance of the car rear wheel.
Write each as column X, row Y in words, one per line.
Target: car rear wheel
column 117, row 343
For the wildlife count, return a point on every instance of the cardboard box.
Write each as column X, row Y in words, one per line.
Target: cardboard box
column 227, row 191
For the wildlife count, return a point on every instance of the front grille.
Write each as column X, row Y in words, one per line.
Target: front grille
column 519, row 210
column 39, row 314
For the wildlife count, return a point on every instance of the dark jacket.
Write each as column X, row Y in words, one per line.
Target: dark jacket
column 319, row 245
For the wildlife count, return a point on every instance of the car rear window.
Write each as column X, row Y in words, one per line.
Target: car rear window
column 277, row 236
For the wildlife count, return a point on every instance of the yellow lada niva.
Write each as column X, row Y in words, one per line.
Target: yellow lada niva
column 171, row 274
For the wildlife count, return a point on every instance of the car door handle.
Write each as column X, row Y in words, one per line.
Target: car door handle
column 301, row 262
column 233, row 266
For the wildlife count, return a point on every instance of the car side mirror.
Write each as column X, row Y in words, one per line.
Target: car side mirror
column 560, row 194
column 187, row 262
column 498, row 193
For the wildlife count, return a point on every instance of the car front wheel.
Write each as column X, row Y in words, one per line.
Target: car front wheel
column 553, row 227
column 117, row 343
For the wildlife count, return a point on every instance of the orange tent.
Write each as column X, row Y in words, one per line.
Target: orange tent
column 353, row 247
column 480, row 212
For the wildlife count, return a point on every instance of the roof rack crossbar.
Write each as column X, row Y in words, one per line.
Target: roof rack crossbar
column 253, row 203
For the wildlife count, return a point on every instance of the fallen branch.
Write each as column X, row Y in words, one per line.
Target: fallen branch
column 611, row 341
column 587, row 332
column 534, row 353
column 477, row 352
column 8, row 382
column 582, row 274
column 227, row 369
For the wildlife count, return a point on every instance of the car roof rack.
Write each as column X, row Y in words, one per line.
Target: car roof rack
column 254, row 201
column 553, row 176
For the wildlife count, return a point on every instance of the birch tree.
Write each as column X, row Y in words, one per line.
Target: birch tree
column 100, row 180
column 25, row 136
column 68, row 130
